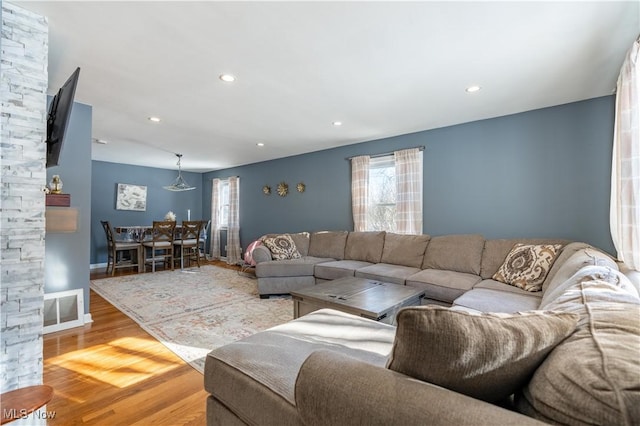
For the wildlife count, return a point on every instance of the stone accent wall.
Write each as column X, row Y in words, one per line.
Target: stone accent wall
column 23, row 103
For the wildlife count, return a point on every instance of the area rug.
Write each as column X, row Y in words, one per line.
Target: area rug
column 195, row 310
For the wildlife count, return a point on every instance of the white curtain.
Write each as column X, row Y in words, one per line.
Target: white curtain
column 215, row 219
column 409, row 191
column 625, row 173
column 360, row 191
column 234, row 250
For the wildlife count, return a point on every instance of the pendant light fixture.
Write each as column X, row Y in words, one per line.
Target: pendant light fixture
column 179, row 184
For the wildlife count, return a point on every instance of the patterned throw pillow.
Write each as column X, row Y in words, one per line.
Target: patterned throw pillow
column 281, row 247
column 526, row 266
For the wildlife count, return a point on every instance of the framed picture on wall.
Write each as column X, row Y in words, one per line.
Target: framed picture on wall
column 131, row 197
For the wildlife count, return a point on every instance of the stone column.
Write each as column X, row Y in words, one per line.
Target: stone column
column 23, row 103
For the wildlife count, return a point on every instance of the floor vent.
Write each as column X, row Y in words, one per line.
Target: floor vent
column 63, row 310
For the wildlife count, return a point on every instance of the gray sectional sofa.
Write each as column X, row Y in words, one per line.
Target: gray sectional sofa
column 573, row 357
column 447, row 267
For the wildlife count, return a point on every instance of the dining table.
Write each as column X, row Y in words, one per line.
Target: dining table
column 133, row 232
column 140, row 233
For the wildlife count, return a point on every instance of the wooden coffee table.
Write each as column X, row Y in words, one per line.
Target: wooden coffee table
column 371, row 299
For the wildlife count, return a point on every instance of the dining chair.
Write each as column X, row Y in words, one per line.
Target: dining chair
column 202, row 241
column 189, row 241
column 160, row 245
column 114, row 247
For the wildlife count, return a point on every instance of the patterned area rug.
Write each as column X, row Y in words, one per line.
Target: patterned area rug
column 195, row 310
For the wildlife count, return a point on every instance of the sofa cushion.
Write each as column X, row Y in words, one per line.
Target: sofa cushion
column 405, row 250
column 328, row 244
column 364, row 246
column 499, row 286
column 486, row 356
column 255, row 377
column 494, row 300
column 593, row 377
column 495, row 252
column 281, row 247
column 289, row 268
column 338, row 269
column 301, row 239
column 526, row 266
column 444, row 286
column 460, row 253
column 395, row 274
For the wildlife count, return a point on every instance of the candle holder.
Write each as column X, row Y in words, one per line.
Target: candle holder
column 55, row 185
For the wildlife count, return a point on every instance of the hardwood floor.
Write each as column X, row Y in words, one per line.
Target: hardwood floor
column 112, row 372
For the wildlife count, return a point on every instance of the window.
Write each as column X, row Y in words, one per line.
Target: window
column 381, row 208
column 386, row 192
column 223, row 213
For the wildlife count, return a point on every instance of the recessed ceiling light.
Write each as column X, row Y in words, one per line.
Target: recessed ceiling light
column 260, row 144
column 100, row 141
column 472, row 89
column 154, row 119
column 337, row 123
column 227, row 78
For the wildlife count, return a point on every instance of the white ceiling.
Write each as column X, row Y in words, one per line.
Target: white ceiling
column 382, row 68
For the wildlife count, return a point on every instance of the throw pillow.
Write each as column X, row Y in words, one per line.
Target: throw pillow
column 593, row 377
column 488, row 356
column 281, row 247
column 526, row 266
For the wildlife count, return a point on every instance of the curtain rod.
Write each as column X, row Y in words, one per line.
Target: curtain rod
column 421, row 148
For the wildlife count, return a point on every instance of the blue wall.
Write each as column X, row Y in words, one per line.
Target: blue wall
column 67, row 255
column 542, row 173
column 104, row 181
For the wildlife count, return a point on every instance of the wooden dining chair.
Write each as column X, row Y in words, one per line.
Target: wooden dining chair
column 202, row 241
column 160, row 245
column 115, row 260
column 189, row 241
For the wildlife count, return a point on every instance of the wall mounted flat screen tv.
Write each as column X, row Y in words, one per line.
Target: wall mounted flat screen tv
column 58, row 118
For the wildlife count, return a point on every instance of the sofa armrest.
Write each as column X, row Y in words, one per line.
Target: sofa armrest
column 261, row 254
column 334, row 389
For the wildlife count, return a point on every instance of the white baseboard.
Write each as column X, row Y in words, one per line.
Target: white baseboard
column 87, row 318
column 98, row 265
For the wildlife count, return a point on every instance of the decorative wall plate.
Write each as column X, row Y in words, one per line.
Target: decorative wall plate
column 266, row 189
column 300, row 187
column 283, row 189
